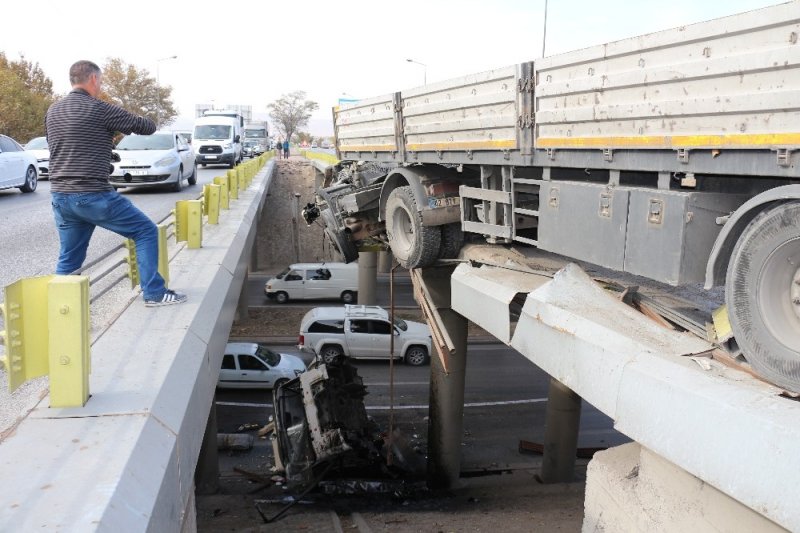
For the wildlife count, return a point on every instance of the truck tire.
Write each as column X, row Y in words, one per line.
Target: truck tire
column 762, row 293
column 330, row 353
column 416, row 356
column 413, row 244
column 452, row 241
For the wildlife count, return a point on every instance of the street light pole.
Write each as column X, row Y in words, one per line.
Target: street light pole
column 424, row 71
column 158, row 89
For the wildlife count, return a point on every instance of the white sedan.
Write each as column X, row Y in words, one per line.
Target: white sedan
column 163, row 158
column 38, row 147
column 247, row 365
column 17, row 167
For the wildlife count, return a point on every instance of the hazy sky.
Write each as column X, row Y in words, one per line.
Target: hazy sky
column 258, row 51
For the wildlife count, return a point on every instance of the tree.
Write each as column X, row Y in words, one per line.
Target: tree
column 291, row 112
column 137, row 92
column 25, row 95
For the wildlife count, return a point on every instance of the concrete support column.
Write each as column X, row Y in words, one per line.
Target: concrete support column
column 367, row 277
column 563, row 418
column 243, row 305
column 385, row 261
column 254, row 254
column 206, row 475
column 445, row 420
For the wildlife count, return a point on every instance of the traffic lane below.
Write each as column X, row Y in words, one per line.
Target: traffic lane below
column 505, row 402
column 403, row 293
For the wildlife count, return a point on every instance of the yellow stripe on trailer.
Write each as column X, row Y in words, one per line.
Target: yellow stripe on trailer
column 754, row 140
column 463, row 145
column 368, row 148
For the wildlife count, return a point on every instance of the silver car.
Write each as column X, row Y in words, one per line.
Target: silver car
column 38, row 147
column 247, row 365
column 163, row 158
column 17, row 167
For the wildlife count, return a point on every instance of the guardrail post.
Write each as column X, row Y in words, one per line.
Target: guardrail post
column 163, row 255
column 224, row 196
column 195, row 214
column 68, row 329
column 133, row 266
column 211, row 192
column 241, row 178
column 233, row 184
column 25, row 315
column 181, row 221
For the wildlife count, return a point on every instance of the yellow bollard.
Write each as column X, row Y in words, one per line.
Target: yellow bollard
column 68, row 329
column 213, row 203
column 224, row 196
column 195, row 213
column 163, row 257
column 181, row 221
column 240, row 177
column 133, row 266
column 233, row 182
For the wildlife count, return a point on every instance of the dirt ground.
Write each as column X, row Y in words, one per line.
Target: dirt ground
column 510, row 499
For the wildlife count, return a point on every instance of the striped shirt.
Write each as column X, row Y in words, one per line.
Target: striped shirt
column 80, row 129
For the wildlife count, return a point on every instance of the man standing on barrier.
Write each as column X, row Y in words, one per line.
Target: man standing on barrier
column 80, row 129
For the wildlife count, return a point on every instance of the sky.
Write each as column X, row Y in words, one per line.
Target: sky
column 345, row 49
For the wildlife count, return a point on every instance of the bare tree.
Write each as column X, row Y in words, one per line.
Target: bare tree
column 136, row 91
column 291, row 112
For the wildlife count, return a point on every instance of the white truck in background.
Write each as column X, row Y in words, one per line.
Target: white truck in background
column 257, row 132
column 217, row 138
column 672, row 155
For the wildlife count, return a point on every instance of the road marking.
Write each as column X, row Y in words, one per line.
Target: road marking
column 386, row 408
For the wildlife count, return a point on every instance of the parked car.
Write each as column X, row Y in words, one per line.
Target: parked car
column 362, row 332
column 312, row 281
column 38, row 146
column 160, row 159
column 17, row 166
column 247, row 365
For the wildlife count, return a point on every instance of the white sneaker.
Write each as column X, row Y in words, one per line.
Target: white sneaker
column 169, row 298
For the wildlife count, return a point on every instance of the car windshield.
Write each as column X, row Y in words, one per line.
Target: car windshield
column 217, row 132
column 39, row 143
column 271, row 358
column 255, row 132
column 400, row 324
column 159, row 141
column 285, row 271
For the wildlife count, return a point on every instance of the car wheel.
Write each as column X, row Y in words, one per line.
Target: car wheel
column 348, row 297
column 31, row 180
column 330, row 354
column 416, row 356
column 192, row 180
column 281, row 297
column 178, row 185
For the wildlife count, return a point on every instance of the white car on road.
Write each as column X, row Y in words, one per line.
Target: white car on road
column 163, row 158
column 247, row 365
column 38, row 147
column 17, row 166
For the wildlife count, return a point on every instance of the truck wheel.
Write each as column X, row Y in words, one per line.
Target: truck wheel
column 762, row 293
column 281, row 297
column 330, row 354
column 452, row 241
column 348, row 297
column 416, row 356
column 413, row 244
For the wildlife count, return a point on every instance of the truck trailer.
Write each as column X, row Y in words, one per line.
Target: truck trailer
column 672, row 155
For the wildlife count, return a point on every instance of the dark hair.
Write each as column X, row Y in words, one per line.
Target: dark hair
column 81, row 71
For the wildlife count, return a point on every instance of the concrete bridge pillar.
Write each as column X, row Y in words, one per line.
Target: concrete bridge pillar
column 206, row 474
column 367, row 277
column 385, row 261
column 562, row 421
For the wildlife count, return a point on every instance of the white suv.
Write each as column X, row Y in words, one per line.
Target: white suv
column 362, row 332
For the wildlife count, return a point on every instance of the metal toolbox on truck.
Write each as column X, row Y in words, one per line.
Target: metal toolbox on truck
column 671, row 233
column 585, row 221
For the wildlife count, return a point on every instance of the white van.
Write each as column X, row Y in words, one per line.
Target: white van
column 217, row 140
column 315, row 281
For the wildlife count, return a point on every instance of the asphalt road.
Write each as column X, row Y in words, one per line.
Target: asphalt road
column 505, row 401
column 28, row 238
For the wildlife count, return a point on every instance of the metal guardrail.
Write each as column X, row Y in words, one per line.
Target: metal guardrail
column 320, row 156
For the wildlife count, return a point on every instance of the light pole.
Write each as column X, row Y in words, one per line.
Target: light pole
column 158, row 89
column 424, row 71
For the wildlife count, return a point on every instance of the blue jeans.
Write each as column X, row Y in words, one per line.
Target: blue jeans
column 77, row 214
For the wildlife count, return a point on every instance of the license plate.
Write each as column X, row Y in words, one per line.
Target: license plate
column 444, row 202
column 211, row 157
column 138, row 173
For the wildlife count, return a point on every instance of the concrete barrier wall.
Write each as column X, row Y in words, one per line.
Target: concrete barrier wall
column 126, row 461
